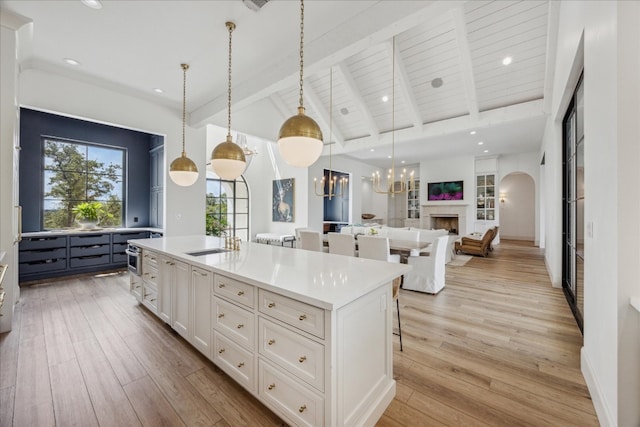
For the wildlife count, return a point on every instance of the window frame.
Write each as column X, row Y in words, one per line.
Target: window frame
column 233, row 210
column 43, row 169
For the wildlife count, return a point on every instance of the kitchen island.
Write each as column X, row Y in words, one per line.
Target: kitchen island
column 309, row 334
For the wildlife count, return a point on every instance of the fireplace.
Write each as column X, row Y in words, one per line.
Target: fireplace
column 452, row 217
column 446, row 221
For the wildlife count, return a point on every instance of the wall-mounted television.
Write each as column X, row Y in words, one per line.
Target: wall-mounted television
column 449, row 190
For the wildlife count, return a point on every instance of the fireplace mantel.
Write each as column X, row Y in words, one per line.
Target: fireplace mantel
column 444, row 209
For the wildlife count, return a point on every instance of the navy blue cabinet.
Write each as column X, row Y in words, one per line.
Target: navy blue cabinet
column 43, row 257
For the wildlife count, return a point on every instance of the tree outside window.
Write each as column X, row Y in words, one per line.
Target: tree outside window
column 77, row 172
column 227, row 207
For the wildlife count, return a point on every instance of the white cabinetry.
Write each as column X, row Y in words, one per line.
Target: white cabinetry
column 166, row 268
column 180, row 299
column 200, row 309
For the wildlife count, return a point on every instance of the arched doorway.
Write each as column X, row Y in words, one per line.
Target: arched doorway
column 517, row 207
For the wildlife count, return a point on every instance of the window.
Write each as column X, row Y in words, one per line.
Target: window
column 227, row 207
column 76, row 172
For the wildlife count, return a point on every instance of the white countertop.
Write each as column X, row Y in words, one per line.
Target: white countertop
column 81, row 231
column 324, row 280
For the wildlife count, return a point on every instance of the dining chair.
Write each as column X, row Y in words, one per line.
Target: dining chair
column 428, row 273
column 342, row 244
column 372, row 247
column 310, row 240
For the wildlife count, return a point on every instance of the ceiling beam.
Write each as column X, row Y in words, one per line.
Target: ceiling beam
column 331, row 48
column 485, row 119
column 405, row 87
column 352, row 89
column 466, row 65
column 277, row 102
column 323, row 115
column 550, row 60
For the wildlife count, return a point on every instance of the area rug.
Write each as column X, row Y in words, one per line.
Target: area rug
column 459, row 260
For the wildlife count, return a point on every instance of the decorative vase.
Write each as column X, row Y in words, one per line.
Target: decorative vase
column 86, row 224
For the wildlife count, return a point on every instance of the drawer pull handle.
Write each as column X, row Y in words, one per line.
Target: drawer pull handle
column 153, row 277
column 302, row 317
column 240, row 365
column 221, row 285
column 302, row 359
column 302, row 408
column 152, row 300
column 220, row 316
column 240, row 293
column 170, row 263
column 271, row 304
column 271, row 386
column 271, row 342
column 240, row 326
column 221, row 351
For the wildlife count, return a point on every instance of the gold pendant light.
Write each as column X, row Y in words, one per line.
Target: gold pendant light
column 300, row 138
column 333, row 180
column 227, row 159
column 403, row 186
column 183, row 171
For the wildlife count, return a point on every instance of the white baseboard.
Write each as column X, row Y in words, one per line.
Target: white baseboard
column 603, row 412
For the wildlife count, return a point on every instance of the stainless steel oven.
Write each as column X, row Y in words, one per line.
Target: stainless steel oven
column 134, row 263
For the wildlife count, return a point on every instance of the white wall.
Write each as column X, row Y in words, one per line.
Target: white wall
column 528, row 163
column 517, row 207
column 452, row 169
column 611, row 332
column 184, row 206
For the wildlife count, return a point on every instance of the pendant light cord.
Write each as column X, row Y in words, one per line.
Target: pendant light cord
column 393, row 113
column 231, row 26
column 185, row 67
column 301, row 49
column 330, row 119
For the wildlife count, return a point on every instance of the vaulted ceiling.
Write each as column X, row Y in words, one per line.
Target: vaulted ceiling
column 445, row 58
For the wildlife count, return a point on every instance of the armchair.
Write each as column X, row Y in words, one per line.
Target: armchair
column 474, row 246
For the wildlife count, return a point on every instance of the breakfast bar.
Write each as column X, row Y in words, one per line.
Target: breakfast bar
column 307, row 333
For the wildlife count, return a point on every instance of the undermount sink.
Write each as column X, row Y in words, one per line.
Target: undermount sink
column 208, row 252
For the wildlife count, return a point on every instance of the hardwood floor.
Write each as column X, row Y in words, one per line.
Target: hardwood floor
column 497, row 347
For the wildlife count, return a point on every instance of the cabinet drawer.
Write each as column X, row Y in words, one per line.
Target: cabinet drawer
column 92, row 239
column 295, row 401
column 79, row 251
column 88, row 261
column 119, row 248
column 149, row 258
column 123, row 237
column 237, row 362
column 234, row 322
column 150, row 296
column 237, row 291
column 43, row 242
column 295, row 313
column 42, row 266
column 119, row 258
column 295, row 353
column 135, row 286
column 150, row 274
column 42, row 254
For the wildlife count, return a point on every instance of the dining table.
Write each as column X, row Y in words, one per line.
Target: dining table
column 398, row 246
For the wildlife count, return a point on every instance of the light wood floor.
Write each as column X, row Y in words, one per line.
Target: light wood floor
column 497, row 347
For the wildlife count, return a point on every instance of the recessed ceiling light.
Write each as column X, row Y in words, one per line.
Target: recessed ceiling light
column 385, row 98
column 486, row 151
column 157, row 90
column 388, row 157
column 480, row 143
column 403, row 162
column 473, row 132
column 372, row 150
column 436, row 83
column 344, row 111
column 93, row 4
column 71, row 61
column 507, row 60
